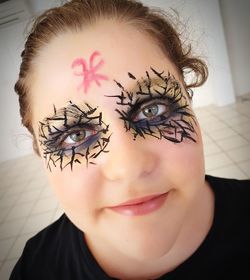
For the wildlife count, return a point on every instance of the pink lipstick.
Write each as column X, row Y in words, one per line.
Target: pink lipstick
column 140, row 206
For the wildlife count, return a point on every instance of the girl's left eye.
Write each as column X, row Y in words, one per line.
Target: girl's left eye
column 151, row 111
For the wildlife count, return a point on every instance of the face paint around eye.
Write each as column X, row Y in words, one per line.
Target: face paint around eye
column 175, row 122
column 72, row 134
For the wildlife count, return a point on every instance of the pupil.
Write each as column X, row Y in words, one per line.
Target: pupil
column 150, row 111
column 76, row 137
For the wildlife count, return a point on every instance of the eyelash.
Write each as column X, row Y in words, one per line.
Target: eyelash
column 163, row 116
column 57, row 144
column 76, row 130
column 148, row 104
column 84, row 128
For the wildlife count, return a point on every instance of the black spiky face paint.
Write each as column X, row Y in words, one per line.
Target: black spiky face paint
column 73, row 134
column 156, row 107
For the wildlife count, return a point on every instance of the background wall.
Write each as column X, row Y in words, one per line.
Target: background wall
column 236, row 19
column 205, row 31
column 13, row 141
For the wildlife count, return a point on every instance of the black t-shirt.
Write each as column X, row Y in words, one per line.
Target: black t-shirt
column 60, row 252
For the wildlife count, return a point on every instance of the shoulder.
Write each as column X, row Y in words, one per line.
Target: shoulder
column 50, row 236
column 42, row 251
column 240, row 188
column 232, row 198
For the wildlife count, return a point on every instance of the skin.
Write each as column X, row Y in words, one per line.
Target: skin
column 137, row 247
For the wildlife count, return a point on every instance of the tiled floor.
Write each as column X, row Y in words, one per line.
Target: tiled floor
column 27, row 204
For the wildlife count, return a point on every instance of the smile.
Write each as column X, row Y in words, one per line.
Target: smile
column 141, row 206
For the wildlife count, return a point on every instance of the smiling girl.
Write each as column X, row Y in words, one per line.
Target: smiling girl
column 102, row 90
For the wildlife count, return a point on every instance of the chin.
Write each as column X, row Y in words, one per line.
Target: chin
column 150, row 252
column 150, row 246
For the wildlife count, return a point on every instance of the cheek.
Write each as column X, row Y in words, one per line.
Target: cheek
column 189, row 161
column 182, row 167
column 77, row 189
column 183, row 161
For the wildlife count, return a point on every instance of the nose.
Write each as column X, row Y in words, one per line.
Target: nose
column 128, row 159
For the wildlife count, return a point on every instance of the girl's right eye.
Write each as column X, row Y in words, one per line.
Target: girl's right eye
column 76, row 138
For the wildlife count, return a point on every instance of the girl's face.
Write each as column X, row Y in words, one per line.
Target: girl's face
column 115, row 126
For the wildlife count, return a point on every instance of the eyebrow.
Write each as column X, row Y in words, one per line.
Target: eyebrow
column 138, row 88
column 146, row 83
column 71, row 116
column 144, row 88
column 159, row 77
column 74, row 110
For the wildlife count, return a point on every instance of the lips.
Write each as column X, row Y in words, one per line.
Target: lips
column 141, row 206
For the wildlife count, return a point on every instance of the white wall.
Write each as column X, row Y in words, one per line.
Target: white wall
column 36, row 6
column 206, row 31
column 236, row 19
column 13, row 141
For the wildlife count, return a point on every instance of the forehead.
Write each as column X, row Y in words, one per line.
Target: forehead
column 121, row 47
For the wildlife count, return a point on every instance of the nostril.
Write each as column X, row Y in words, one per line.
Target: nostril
column 146, row 173
column 148, row 168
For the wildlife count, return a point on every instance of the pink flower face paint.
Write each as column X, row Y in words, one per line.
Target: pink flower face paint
column 89, row 72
